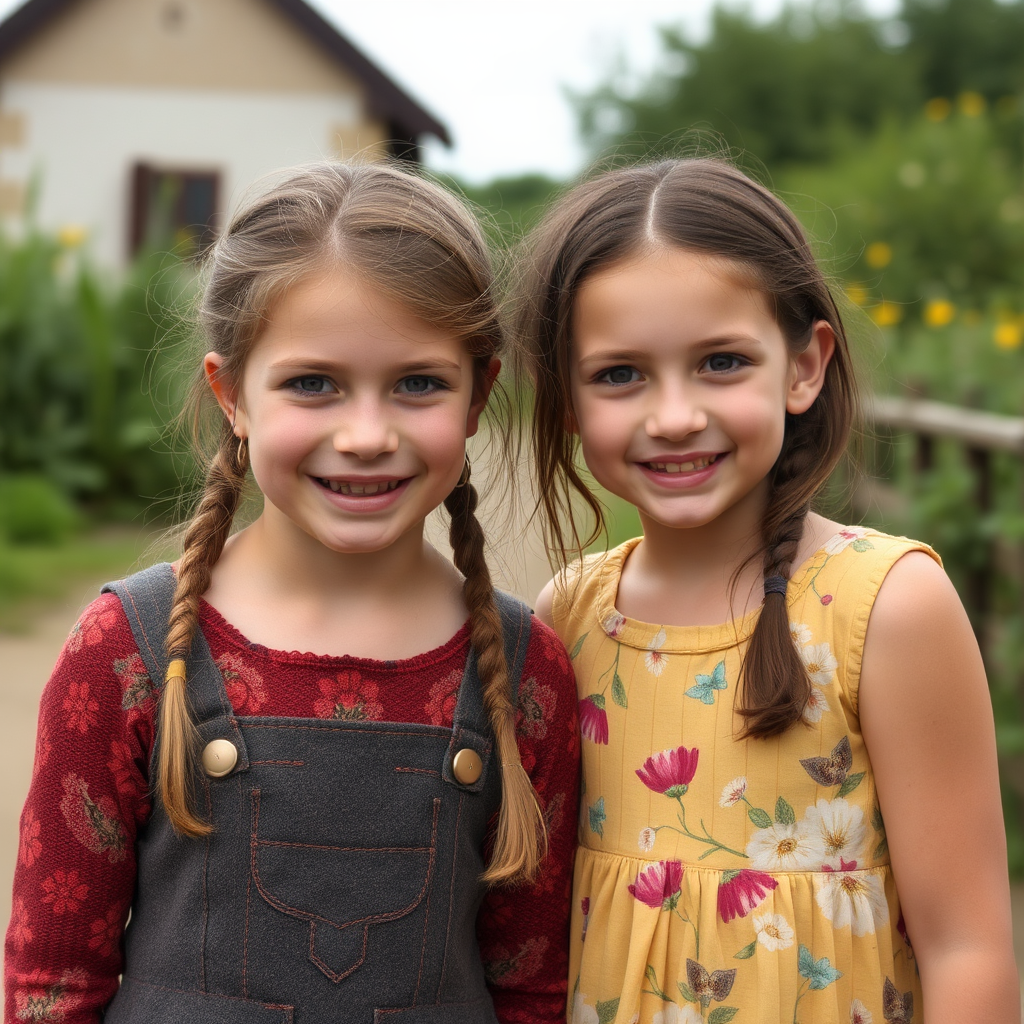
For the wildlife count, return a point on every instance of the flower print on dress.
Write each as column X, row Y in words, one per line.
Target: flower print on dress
column 30, row 846
column 96, row 824
column 860, row 1014
column 834, row 770
column 741, row 891
column 819, row 974
column 39, row 999
column 646, row 840
column 733, row 792
column 245, row 688
column 676, row 1014
column 122, row 768
column 773, row 931
column 852, row 899
column 706, row 986
column 843, row 829
column 20, row 933
column 107, row 932
column 800, row 632
column 613, row 623
column 64, row 891
column 585, row 911
column 787, row 846
column 594, row 718
column 537, row 705
column 81, row 708
column 669, row 772
column 897, row 1007
column 654, row 660
column 444, row 696
column 820, row 663
column 659, row 885
column 582, row 1013
column 848, row 536
column 815, row 707
column 136, row 686
column 705, row 686
column 89, row 630
column 348, row 697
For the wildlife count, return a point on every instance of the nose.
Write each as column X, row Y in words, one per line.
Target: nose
column 675, row 413
column 366, row 430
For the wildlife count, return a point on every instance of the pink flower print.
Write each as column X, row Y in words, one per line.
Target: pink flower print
column 670, row 772
column 122, row 767
column 64, row 891
column 39, row 1000
column 512, row 969
column 537, row 703
column 31, row 846
column 659, row 885
column 348, row 697
column 96, row 824
column 244, row 685
column 654, row 660
column 552, row 648
column 444, row 695
column 845, row 537
column 106, row 932
column 89, row 629
column 826, row 599
column 860, row 1014
column 136, row 686
column 585, row 908
column 733, row 792
column 81, row 708
column 43, row 746
column 594, row 718
column 613, row 623
column 20, row 933
column 741, row 891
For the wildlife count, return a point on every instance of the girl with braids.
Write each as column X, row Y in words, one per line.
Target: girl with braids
column 791, row 808
column 382, row 829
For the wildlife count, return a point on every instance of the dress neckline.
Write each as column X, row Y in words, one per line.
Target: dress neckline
column 697, row 639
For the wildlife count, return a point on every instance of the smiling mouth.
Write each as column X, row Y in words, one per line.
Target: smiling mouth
column 683, row 467
column 367, row 489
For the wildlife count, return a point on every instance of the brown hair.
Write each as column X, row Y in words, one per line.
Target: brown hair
column 709, row 207
column 418, row 244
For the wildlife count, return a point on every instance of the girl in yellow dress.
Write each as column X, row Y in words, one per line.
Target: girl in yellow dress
column 791, row 807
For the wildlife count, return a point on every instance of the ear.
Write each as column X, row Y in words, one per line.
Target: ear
column 807, row 369
column 226, row 397
column 481, row 392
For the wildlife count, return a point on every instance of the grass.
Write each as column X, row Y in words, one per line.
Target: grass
column 32, row 576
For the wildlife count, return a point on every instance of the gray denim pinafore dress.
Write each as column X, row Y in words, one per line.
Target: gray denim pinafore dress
column 341, row 881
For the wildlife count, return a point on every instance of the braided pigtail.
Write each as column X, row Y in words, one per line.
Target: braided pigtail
column 202, row 546
column 776, row 686
column 521, row 840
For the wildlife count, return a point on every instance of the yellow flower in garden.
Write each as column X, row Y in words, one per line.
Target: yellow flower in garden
column 886, row 314
column 71, row 236
column 1008, row 335
column 878, row 255
column 857, row 294
column 939, row 312
column 971, row 104
column 937, row 109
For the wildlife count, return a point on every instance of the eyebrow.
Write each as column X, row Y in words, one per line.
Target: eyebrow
column 315, row 365
column 627, row 355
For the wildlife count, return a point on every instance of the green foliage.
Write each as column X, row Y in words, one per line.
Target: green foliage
column 76, row 402
column 509, row 206
column 33, row 510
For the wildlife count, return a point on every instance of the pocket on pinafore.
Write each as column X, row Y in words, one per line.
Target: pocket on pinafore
column 138, row 1002
column 338, row 890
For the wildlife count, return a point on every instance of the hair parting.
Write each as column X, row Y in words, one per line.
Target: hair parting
column 707, row 207
column 421, row 247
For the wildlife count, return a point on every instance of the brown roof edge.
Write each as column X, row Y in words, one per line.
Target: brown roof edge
column 386, row 97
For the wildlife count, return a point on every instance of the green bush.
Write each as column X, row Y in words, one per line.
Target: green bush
column 33, row 511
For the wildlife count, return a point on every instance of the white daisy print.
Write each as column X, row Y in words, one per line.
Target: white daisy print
column 860, row 1014
column 820, row 664
column 782, row 847
column 654, row 659
column 800, row 633
column 674, row 1014
column 852, row 899
column 842, row 828
column 733, row 792
column 773, row 931
column 843, row 539
column 646, row 840
column 816, row 705
column 581, row 1013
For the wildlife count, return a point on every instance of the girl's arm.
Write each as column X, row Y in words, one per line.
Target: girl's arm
column 76, row 860
column 524, row 931
column 927, row 722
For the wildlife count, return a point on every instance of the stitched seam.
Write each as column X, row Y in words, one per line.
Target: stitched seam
column 323, row 967
column 343, row 849
column 451, row 900
column 206, row 995
column 305, row 915
column 286, row 764
column 245, row 940
column 371, row 732
column 420, row 771
column 206, row 892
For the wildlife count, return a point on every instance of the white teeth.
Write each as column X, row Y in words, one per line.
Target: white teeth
column 364, row 490
column 682, row 467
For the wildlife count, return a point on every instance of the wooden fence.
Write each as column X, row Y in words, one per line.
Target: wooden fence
column 981, row 435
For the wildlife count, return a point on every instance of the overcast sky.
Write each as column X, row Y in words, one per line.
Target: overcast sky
column 495, row 71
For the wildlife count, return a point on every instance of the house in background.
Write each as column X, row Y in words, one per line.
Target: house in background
column 142, row 117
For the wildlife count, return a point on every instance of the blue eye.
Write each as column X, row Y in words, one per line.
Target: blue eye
column 619, row 375
column 722, row 362
column 311, row 385
column 421, row 385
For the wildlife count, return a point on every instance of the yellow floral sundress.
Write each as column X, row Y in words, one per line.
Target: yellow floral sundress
column 720, row 879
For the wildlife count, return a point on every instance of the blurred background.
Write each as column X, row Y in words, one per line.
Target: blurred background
column 130, row 128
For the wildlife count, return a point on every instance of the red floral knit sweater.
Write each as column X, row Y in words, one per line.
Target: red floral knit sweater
column 90, row 795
